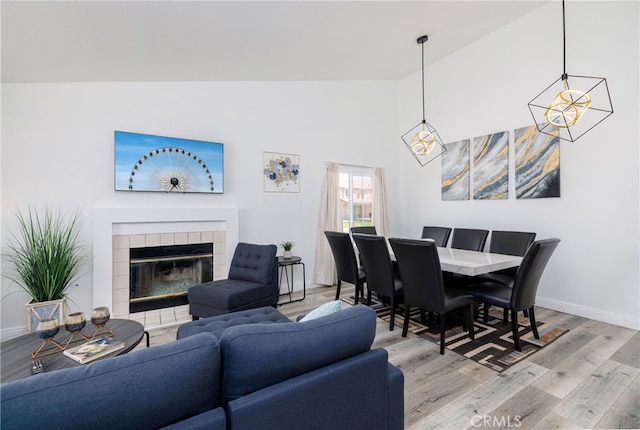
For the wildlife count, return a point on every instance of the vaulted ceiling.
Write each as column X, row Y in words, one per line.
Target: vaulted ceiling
column 89, row 41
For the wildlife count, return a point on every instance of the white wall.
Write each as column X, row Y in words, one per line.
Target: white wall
column 58, row 149
column 485, row 88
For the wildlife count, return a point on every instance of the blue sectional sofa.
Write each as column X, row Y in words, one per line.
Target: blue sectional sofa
column 317, row 374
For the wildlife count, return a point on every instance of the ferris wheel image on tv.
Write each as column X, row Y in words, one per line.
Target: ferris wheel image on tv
column 167, row 164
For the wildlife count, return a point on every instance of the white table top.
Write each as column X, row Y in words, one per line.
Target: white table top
column 473, row 263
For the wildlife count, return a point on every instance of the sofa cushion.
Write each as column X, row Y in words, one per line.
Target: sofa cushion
column 218, row 324
column 258, row 355
column 253, row 263
column 146, row 388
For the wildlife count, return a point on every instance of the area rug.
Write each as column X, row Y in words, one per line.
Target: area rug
column 493, row 343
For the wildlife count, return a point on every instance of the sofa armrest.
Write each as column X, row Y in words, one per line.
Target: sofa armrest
column 144, row 389
column 210, row 420
column 352, row 393
column 395, row 379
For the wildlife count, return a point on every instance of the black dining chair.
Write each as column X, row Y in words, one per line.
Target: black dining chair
column 366, row 229
column 523, row 294
column 469, row 238
column 381, row 278
column 421, row 275
column 510, row 243
column 346, row 265
column 440, row 235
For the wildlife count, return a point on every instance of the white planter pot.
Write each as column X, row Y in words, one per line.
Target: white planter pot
column 42, row 310
column 286, row 254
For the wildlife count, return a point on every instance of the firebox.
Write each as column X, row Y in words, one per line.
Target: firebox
column 160, row 276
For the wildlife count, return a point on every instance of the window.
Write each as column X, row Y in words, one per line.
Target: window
column 356, row 196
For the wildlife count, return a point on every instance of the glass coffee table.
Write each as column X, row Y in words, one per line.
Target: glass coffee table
column 15, row 354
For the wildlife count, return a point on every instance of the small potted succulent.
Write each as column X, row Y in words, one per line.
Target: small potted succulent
column 287, row 246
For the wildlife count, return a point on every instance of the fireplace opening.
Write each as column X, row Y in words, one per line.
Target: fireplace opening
column 160, row 276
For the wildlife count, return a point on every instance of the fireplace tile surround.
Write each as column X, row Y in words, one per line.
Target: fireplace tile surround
column 121, row 247
column 116, row 230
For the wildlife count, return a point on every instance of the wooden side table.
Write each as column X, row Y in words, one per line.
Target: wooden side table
column 285, row 263
column 15, row 359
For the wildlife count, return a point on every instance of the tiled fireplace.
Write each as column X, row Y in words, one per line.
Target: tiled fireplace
column 117, row 231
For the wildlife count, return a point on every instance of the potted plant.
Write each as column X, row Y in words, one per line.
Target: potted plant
column 45, row 256
column 287, row 246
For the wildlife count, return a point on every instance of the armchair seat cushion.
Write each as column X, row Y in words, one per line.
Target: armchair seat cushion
column 252, row 283
column 229, row 293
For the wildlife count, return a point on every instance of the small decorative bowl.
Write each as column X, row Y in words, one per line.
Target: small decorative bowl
column 47, row 328
column 75, row 322
column 100, row 316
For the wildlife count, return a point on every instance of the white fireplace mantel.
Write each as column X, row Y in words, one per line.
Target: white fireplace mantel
column 110, row 221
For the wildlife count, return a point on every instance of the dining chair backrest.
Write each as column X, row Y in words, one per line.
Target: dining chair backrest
column 529, row 273
column 421, row 274
column 343, row 256
column 366, row 229
column 440, row 235
column 377, row 263
column 469, row 238
column 511, row 242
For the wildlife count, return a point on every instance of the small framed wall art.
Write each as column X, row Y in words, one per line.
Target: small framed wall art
column 281, row 172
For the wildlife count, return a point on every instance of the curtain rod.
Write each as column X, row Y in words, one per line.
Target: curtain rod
column 348, row 165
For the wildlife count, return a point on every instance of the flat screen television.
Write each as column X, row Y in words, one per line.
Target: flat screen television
column 145, row 162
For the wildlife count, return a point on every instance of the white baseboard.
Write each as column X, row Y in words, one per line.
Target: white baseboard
column 591, row 313
column 10, row 333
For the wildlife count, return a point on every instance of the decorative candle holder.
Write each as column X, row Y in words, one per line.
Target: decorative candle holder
column 74, row 324
column 47, row 329
column 99, row 318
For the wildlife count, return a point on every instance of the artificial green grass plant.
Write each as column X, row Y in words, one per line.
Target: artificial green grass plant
column 46, row 254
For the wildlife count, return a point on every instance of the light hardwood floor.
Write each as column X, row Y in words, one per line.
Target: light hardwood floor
column 589, row 378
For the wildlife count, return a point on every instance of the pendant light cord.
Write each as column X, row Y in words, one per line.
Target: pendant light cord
column 564, row 46
column 423, row 114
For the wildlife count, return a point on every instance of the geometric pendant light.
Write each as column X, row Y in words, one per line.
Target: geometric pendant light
column 571, row 109
column 423, row 140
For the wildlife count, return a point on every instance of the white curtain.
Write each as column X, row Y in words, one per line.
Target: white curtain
column 324, row 272
column 379, row 202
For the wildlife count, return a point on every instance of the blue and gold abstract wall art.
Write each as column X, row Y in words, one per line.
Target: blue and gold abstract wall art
column 455, row 171
column 537, row 164
column 491, row 166
column 281, row 172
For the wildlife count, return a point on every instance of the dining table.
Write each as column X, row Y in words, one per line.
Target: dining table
column 474, row 263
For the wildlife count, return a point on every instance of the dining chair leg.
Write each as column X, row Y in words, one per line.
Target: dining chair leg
column 532, row 321
column 485, row 314
column 422, row 316
column 393, row 314
column 358, row 292
column 505, row 316
column 338, row 291
column 368, row 297
column 442, row 329
column 514, row 330
column 405, row 325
